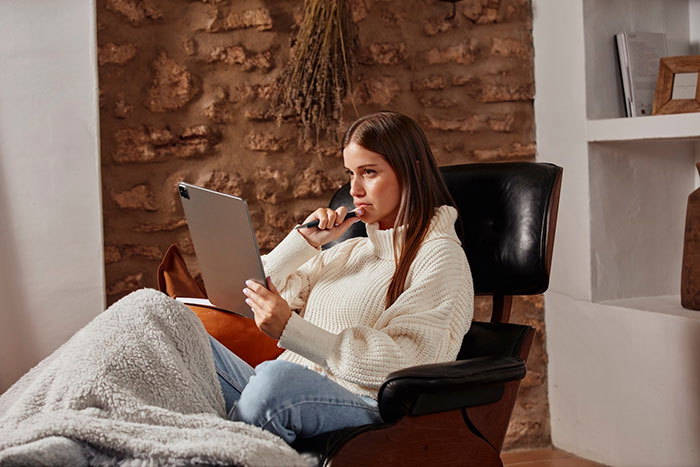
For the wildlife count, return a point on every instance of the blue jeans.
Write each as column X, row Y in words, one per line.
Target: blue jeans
column 287, row 399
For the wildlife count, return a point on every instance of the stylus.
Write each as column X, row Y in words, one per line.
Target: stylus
column 316, row 222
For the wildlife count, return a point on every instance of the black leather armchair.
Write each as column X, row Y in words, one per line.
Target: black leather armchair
column 457, row 413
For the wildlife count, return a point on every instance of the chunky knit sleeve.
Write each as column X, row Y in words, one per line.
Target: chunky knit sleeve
column 293, row 266
column 425, row 324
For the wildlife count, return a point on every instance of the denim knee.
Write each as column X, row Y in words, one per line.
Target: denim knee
column 291, row 400
column 267, row 394
column 269, row 386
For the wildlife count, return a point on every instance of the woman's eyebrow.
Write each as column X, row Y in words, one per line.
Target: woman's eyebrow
column 364, row 166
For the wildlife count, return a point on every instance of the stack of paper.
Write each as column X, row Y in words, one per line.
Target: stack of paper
column 639, row 54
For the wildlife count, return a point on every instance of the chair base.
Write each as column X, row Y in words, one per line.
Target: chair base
column 441, row 439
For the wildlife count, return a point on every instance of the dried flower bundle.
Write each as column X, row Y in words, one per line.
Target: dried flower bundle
column 317, row 77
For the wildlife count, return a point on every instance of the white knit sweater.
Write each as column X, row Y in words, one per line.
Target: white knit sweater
column 343, row 328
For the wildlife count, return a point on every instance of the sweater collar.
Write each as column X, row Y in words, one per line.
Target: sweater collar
column 441, row 225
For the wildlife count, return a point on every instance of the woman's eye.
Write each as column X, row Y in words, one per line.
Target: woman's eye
column 370, row 172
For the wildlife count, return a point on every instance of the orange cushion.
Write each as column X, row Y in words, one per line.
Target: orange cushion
column 238, row 334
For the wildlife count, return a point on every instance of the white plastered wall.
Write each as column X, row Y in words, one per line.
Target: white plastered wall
column 51, row 255
column 624, row 365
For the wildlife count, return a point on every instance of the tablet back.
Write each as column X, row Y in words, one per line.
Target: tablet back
column 224, row 242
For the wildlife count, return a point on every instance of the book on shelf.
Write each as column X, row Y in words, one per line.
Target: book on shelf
column 638, row 55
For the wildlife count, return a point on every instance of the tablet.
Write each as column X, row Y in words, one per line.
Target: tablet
column 225, row 245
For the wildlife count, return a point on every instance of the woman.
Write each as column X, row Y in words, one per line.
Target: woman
column 350, row 315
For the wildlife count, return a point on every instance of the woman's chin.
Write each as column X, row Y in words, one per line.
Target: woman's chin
column 367, row 219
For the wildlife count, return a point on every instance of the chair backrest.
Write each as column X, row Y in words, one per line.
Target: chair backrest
column 508, row 212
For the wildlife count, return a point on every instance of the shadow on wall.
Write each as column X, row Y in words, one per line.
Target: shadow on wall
column 694, row 349
column 17, row 341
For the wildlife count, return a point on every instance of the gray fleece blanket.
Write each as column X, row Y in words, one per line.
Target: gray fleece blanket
column 136, row 386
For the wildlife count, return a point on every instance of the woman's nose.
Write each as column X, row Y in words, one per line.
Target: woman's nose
column 356, row 189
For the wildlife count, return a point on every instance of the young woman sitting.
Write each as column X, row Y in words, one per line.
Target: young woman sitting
column 350, row 315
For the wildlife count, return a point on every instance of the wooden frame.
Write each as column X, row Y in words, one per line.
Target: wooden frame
column 668, row 68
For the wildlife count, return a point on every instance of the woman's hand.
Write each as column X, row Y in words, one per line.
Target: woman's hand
column 331, row 225
column 271, row 310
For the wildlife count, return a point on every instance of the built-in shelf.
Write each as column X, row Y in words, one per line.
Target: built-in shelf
column 658, row 127
column 664, row 304
column 623, row 355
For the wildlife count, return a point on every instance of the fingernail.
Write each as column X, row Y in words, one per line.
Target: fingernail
column 246, row 291
column 247, row 300
column 248, row 282
column 360, row 211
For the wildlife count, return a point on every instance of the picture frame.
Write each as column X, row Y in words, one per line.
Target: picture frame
column 670, row 69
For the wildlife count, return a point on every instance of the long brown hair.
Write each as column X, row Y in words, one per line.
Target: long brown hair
column 401, row 141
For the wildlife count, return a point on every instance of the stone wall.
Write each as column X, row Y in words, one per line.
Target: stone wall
column 184, row 86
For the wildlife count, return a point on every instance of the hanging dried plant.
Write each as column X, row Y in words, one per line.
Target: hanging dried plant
column 316, row 79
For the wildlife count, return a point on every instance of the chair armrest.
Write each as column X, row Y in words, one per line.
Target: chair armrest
column 439, row 387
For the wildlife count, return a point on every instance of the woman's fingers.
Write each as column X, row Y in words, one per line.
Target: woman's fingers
column 264, row 299
column 256, row 287
column 340, row 214
column 328, row 218
column 331, row 224
column 270, row 309
column 256, row 294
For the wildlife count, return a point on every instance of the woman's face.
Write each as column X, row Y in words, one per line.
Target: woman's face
column 374, row 185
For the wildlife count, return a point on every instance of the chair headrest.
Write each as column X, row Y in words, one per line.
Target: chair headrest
column 508, row 213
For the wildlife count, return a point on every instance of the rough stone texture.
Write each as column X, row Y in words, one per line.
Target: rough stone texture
column 481, row 11
column 122, row 108
column 185, row 90
column 157, row 144
column 379, row 91
column 471, row 124
column 511, row 48
column 237, row 55
column 172, row 87
column 514, row 151
column 126, row 284
column 359, row 9
column 258, row 18
column 225, row 182
column 185, row 244
column 435, row 82
column 189, row 46
column 384, row 53
column 117, row 54
column 112, row 254
column 270, row 185
column 116, row 253
column 525, row 430
column 138, row 197
column 464, row 54
column 439, row 102
column 265, row 142
column 160, row 227
column 392, row 17
column 135, row 11
column 314, row 182
column 505, row 93
column 436, row 26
